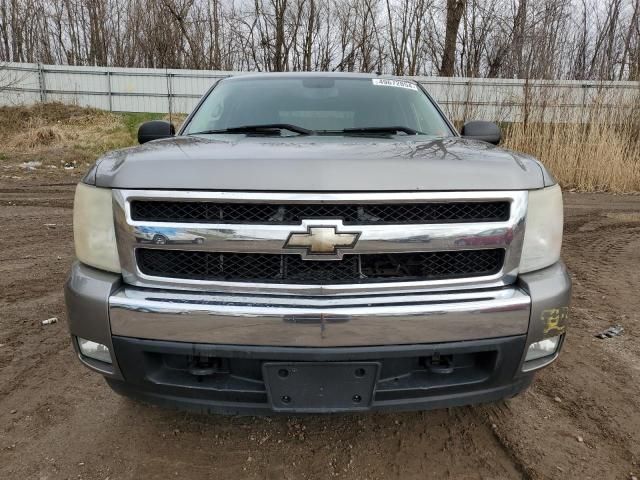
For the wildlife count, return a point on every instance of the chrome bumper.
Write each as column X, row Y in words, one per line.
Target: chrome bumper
column 316, row 321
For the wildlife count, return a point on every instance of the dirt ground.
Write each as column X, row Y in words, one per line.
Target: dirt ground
column 580, row 419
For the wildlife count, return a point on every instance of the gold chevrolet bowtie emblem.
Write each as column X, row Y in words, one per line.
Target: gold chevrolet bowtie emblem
column 322, row 241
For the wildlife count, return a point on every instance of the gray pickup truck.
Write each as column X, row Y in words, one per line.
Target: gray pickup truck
column 317, row 243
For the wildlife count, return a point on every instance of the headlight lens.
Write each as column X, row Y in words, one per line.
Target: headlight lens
column 543, row 231
column 93, row 230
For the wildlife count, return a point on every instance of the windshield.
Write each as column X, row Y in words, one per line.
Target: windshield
column 320, row 104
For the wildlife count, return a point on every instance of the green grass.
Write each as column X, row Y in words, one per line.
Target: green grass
column 132, row 121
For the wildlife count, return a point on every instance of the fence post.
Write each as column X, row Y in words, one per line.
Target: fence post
column 169, row 94
column 109, row 90
column 583, row 108
column 467, row 101
column 42, row 84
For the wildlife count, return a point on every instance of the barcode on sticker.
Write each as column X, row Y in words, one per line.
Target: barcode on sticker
column 387, row 82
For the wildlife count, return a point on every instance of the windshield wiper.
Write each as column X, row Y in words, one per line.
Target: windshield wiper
column 374, row 130
column 260, row 129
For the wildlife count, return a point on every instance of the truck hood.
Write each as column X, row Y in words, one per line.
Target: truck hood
column 317, row 163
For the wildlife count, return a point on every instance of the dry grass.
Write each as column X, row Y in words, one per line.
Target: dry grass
column 597, row 156
column 600, row 152
column 32, row 130
column 54, row 135
column 592, row 147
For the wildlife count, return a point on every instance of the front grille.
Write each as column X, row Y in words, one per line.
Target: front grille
column 289, row 268
column 362, row 214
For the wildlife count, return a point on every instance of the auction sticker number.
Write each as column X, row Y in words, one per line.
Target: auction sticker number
column 386, row 82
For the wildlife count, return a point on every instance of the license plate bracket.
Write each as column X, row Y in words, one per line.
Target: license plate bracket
column 316, row 387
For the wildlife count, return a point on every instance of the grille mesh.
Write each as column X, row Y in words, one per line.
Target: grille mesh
column 263, row 213
column 275, row 268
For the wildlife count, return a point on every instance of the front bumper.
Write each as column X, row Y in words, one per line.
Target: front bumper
column 159, row 372
column 318, row 322
column 155, row 336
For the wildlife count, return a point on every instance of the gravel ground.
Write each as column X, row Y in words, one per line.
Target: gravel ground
column 580, row 419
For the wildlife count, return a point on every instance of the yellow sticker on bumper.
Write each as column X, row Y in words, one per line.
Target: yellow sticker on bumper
column 555, row 320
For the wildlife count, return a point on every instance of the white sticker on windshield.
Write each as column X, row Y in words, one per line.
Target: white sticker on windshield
column 387, row 82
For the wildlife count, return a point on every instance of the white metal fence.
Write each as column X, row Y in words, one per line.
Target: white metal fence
column 167, row 90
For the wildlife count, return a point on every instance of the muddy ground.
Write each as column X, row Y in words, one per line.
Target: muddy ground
column 580, row 419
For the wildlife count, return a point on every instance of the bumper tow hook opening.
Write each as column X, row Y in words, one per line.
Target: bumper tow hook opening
column 439, row 364
column 203, row 366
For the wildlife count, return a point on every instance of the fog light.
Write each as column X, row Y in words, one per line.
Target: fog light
column 543, row 348
column 94, row 350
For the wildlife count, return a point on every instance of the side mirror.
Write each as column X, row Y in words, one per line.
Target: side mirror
column 154, row 130
column 481, row 130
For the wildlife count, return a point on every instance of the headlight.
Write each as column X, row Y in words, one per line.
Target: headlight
column 543, row 230
column 93, row 230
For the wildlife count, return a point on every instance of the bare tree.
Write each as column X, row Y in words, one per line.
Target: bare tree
column 582, row 39
column 455, row 9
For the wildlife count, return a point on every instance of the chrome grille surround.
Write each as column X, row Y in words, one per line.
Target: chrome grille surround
column 269, row 238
